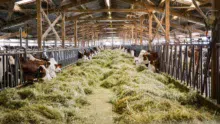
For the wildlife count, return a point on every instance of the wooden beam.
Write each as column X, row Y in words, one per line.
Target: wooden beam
column 215, row 40
column 141, row 37
column 132, row 34
column 50, row 27
column 26, row 18
column 75, row 33
column 199, row 10
column 10, row 35
column 191, row 18
column 167, row 20
column 63, row 29
column 108, row 10
column 150, row 30
column 39, row 24
column 106, row 18
column 135, row 33
column 4, row 1
column 159, row 23
column 48, row 21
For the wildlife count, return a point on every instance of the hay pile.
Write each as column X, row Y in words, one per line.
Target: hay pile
column 142, row 96
column 147, row 97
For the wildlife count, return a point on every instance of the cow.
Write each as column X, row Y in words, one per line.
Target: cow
column 87, row 54
column 153, row 58
column 51, row 65
column 54, row 67
column 80, row 54
column 141, row 59
column 34, row 70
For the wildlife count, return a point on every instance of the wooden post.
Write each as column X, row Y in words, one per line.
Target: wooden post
column 150, row 30
column 39, row 24
column 141, row 37
column 93, row 38
column 75, row 33
column 132, row 34
column 63, row 30
column 215, row 39
column 167, row 34
column 20, row 30
column 135, row 31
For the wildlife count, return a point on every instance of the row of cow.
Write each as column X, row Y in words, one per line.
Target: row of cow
column 34, row 67
column 148, row 58
column 87, row 54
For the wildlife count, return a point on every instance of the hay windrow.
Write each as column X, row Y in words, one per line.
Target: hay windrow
column 141, row 96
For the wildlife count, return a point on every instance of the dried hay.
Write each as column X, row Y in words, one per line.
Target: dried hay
column 141, row 95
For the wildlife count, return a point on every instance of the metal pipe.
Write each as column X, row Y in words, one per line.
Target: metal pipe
column 20, row 30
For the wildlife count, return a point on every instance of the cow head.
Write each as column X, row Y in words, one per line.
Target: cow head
column 44, row 73
column 41, row 72
column 58, row 67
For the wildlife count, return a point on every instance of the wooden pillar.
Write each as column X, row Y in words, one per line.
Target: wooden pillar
column 141, row 37
column 75, row 33
column 135, row 32
column 63, row 30
column 39, row 24
column 167, row 9
column 93, row 38
column 132, row 35
column 150, row 30
column 215, row 39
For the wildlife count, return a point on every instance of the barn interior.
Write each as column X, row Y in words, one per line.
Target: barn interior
column 109, row 61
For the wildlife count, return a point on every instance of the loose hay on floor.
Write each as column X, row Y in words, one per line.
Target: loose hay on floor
column 141, row 96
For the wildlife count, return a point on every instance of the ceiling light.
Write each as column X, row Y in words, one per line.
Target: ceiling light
column 24, row 1
column 107, row 2
column 109, row 13
column 175, row 17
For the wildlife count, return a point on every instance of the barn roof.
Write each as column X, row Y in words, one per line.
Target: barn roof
column 95, row 15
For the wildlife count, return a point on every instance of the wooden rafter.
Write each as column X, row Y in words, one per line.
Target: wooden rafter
column 50, row 24
column 50, row 27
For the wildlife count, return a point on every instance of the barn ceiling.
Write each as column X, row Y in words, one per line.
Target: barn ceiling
column 15, row 14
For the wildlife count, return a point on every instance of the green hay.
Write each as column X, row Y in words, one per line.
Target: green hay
column 82, row 101
column 88, row 90
column 141, row 68
column 48, row 112
column 14, row 117
column 141, row 96
column 27, row 93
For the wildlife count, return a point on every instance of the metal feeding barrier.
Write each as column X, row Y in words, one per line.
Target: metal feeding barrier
column 11, row 72
column 191, row 64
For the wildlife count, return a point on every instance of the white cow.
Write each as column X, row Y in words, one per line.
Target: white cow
column 48, row 76
column 140, row 59
column 132, row 53
column 53, row 68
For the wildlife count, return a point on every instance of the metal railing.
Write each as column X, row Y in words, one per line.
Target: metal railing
column 11, row 73
column 189, row 63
